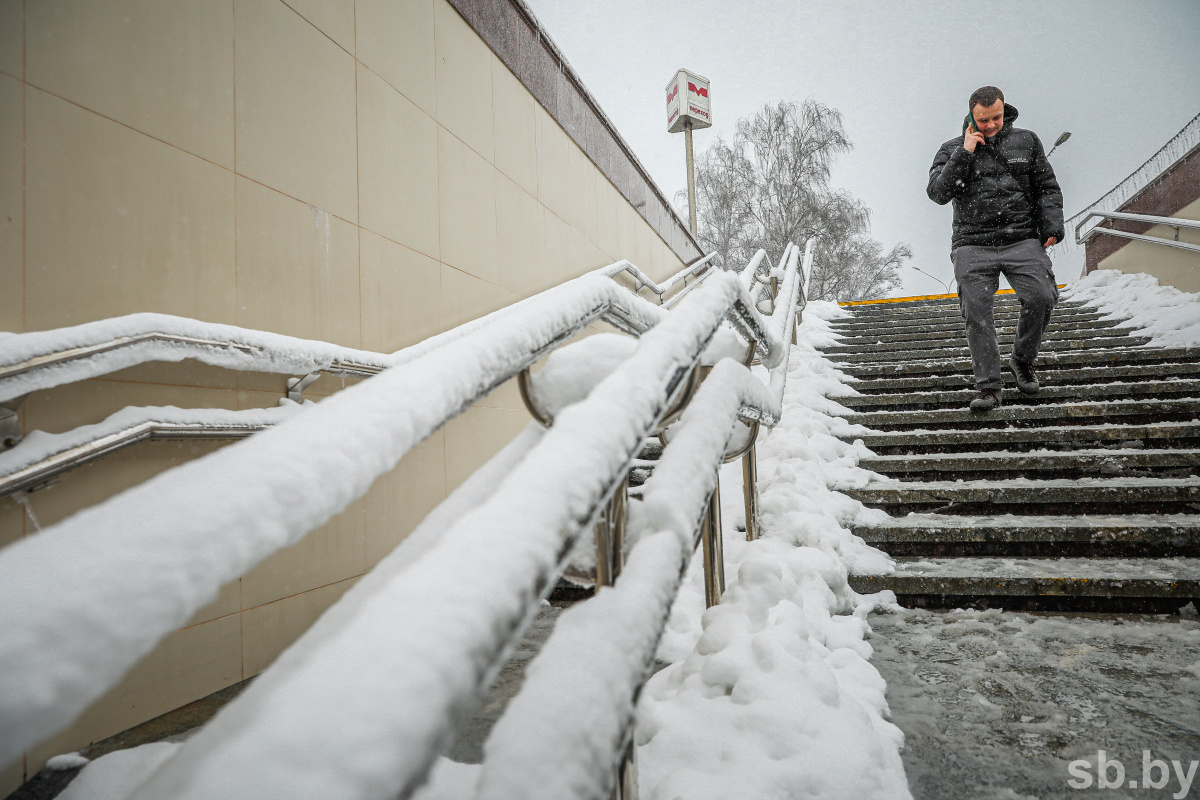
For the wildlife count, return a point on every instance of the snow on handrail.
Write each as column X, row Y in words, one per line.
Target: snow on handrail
column 45, row 359
column 82, row 601
column 645, row 281
column 42, row 455
column 432, row 643
column 535, row 751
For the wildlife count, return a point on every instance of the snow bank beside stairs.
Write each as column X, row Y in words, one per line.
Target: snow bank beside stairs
column 771, row 693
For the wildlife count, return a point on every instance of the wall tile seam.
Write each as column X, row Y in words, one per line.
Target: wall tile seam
column 257, row 182
column 568, row 74
column 354, row 577
column 323, row 33
column 358, row 194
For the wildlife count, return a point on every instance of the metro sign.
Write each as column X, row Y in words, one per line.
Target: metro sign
column 688, row 104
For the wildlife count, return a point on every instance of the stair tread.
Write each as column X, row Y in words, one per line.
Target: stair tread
column 1009, row 413
column 1081, row 569
column 1012, row 484
column 1110, row 389
column 1019, row 458
column 995, row 435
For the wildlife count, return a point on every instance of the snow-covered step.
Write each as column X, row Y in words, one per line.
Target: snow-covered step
column 1022, row 495
column 1083, row 412
column 1051, row 535
column 1074, row 463
column 1048, row 394
column 853, row 327
column 962, row 364
column 930, row 337
column 1050, row 375
column 952, row 328
column 1149, row 584
column 900, row 353
column 950, row 319
column 1157, row 435
column 950, row 307
column 949, row 340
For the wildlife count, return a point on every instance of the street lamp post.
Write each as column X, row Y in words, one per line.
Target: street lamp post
column 688, row 107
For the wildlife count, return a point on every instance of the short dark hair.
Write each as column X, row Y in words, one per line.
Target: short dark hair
column 985, row 96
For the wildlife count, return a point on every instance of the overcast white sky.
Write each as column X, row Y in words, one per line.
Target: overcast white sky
column 1121, row 75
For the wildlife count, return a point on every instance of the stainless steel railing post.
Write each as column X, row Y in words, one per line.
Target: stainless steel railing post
column 610, row 537
column 626, row 788
column 750, row 492
column 714, row 553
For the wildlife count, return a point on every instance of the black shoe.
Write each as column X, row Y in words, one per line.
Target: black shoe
column 987, row 400
column 1024, row 375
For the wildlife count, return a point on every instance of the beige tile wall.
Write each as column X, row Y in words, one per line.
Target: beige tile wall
column 362, row 172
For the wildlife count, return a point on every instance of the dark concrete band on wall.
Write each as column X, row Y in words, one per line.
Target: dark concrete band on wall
column 514, row 35
column 1175, row 188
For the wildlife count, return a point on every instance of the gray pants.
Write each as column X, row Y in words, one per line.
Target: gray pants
column 1031, row 275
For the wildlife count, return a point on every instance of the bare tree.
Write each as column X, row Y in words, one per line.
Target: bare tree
column 770, row 186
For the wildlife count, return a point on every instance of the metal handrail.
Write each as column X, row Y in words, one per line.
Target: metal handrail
column 643, row 281
column 447, row 378
column 675, row 526
column 25, row 469
column 1171, row 222
column 556, row 315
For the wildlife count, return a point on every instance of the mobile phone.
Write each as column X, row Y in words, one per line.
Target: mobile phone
column 972, row 127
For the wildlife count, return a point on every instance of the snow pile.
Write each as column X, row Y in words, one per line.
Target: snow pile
column 572, row 372
column 601, row 651
column 1170, row 317
column 771, row 693
column 115, row 776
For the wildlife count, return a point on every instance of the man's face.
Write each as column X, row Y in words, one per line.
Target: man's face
column 989, row 119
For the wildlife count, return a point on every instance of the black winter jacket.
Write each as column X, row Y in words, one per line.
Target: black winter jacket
column 1003, row 192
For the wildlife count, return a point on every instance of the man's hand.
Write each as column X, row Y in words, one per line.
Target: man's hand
column 972, row 139
column 1053, row 240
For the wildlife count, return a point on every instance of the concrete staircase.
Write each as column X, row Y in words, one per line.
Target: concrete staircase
column 1084, row 497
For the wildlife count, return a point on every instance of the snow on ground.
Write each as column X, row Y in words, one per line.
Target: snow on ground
column 996, row 705
column 771, row 693
column 1170, row 317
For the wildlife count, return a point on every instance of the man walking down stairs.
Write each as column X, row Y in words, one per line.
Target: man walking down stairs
column 1081, row 500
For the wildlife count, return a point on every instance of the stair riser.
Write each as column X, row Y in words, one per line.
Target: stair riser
column 961, row 366
column 1045, row 603
column 1023, row 439
column 983, row 507
column 935, row 549
column 1040, row 474
column 917, row 349
column 906, row 354
column 1054, row 331
column 1034, row 416
column 953, row 316
column 1056, row 394
column 892, row 310
column 1049, row 376
column 958, row 327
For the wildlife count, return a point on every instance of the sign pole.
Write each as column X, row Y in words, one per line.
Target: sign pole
column 691, row 170
column 689, row 107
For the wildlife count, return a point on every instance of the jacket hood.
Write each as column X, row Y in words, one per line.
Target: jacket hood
column 1010, row 116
